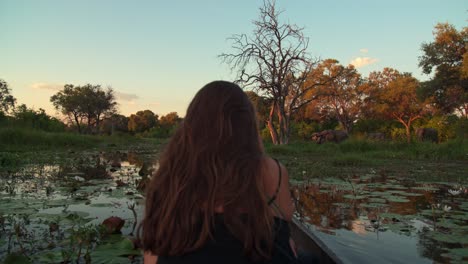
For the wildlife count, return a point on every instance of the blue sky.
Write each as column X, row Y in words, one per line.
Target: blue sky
column 157, row 54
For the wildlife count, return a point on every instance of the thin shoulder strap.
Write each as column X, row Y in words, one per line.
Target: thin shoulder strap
column 270, row 201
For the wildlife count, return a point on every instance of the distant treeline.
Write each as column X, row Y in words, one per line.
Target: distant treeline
column 274, row 60
column 292, row 101
column 87, row 109
column 143, row 123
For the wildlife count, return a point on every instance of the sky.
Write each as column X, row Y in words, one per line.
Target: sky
column 157, row 54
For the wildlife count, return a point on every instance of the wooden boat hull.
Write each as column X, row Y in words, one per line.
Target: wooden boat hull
column 308, row 242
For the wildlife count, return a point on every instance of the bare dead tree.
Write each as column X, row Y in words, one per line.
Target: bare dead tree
column 274, row 62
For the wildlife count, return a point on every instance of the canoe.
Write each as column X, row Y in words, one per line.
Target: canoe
column 308, row 242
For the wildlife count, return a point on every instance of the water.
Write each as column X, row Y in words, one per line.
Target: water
column 76, row 195
column 374, row 217
column 387, row 219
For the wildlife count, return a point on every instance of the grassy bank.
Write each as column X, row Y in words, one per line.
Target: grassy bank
column 304, row 160
column 19, row 146
column 21, row 139
column 356, row 157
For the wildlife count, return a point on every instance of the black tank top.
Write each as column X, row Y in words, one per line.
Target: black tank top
column 225, row 248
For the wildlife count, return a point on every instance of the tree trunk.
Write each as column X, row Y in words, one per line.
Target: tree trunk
column 98, row 117
column 89, row 128
column 77, row 122
column 407, row 125
column 345, row 124
column 287, row 119
column 283, row 126
column 271, row 127
column 408, row 134
column 280, row 125
column 408, row 131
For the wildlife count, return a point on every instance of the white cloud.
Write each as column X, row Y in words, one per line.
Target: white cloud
column 364, row 50
column 363, row 61
column 125, row 96
column 58, row 86
column 154, row 104
column 47, row 86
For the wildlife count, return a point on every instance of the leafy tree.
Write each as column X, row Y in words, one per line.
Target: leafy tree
column 377, row 81
column 396, row 98
column 340, row 96
column 37, row 119
column 464, row 68
column 446, row 56
column 7, row 101
column 115, row 123
column 165, row 127
column 69, row 101
column 169, row 120
column 135, row 123
column 274, row 61
column 142, row 121
column 87, row 104
column 261, row 106
column 98, row 103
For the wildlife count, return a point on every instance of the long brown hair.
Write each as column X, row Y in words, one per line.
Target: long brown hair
column 214, row 159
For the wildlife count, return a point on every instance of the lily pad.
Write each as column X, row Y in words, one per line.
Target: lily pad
column 15, row 206
column 453, row 238
column 354, row 197
column 401, row 228
column 403, row 193
column 108, row 205
column 425, row 188
column 459, row 215
column 458, row 254
column 53, row 256
column 376, row 200
column 116, row 252
column 448, row 224
column 373, row 205
column 380, row 194
column 396, row 199
column 342, row 205
column 431, row 212
column 15, row 258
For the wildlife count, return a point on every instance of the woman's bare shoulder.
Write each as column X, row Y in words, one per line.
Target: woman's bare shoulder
column 271, row 181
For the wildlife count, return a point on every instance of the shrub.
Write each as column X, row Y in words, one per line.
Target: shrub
column 304, row 130
column 265, row 135
column 15, row 137
column 159, row 132
column 398, row 134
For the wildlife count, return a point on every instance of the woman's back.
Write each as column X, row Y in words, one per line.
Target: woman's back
column 216, row 160
column 225, row 248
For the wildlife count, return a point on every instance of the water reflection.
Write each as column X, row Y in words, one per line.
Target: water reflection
column 368, row 218
column 365, row 208
column 80, row 192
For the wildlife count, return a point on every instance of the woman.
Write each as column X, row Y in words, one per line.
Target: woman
column 216, row 197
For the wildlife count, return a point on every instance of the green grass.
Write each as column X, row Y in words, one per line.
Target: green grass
column 303, row 159
column 308, row 160
column 21, row 139
column 19, row 146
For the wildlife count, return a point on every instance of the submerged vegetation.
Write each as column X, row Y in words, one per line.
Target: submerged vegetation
column 77, row 206
column 380, row 204
column 358, row 191
column 55, row 198
column 71, row 189
column 308, row 160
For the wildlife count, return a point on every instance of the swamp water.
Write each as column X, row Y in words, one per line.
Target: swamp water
column 379, row 218
column 52, row 212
